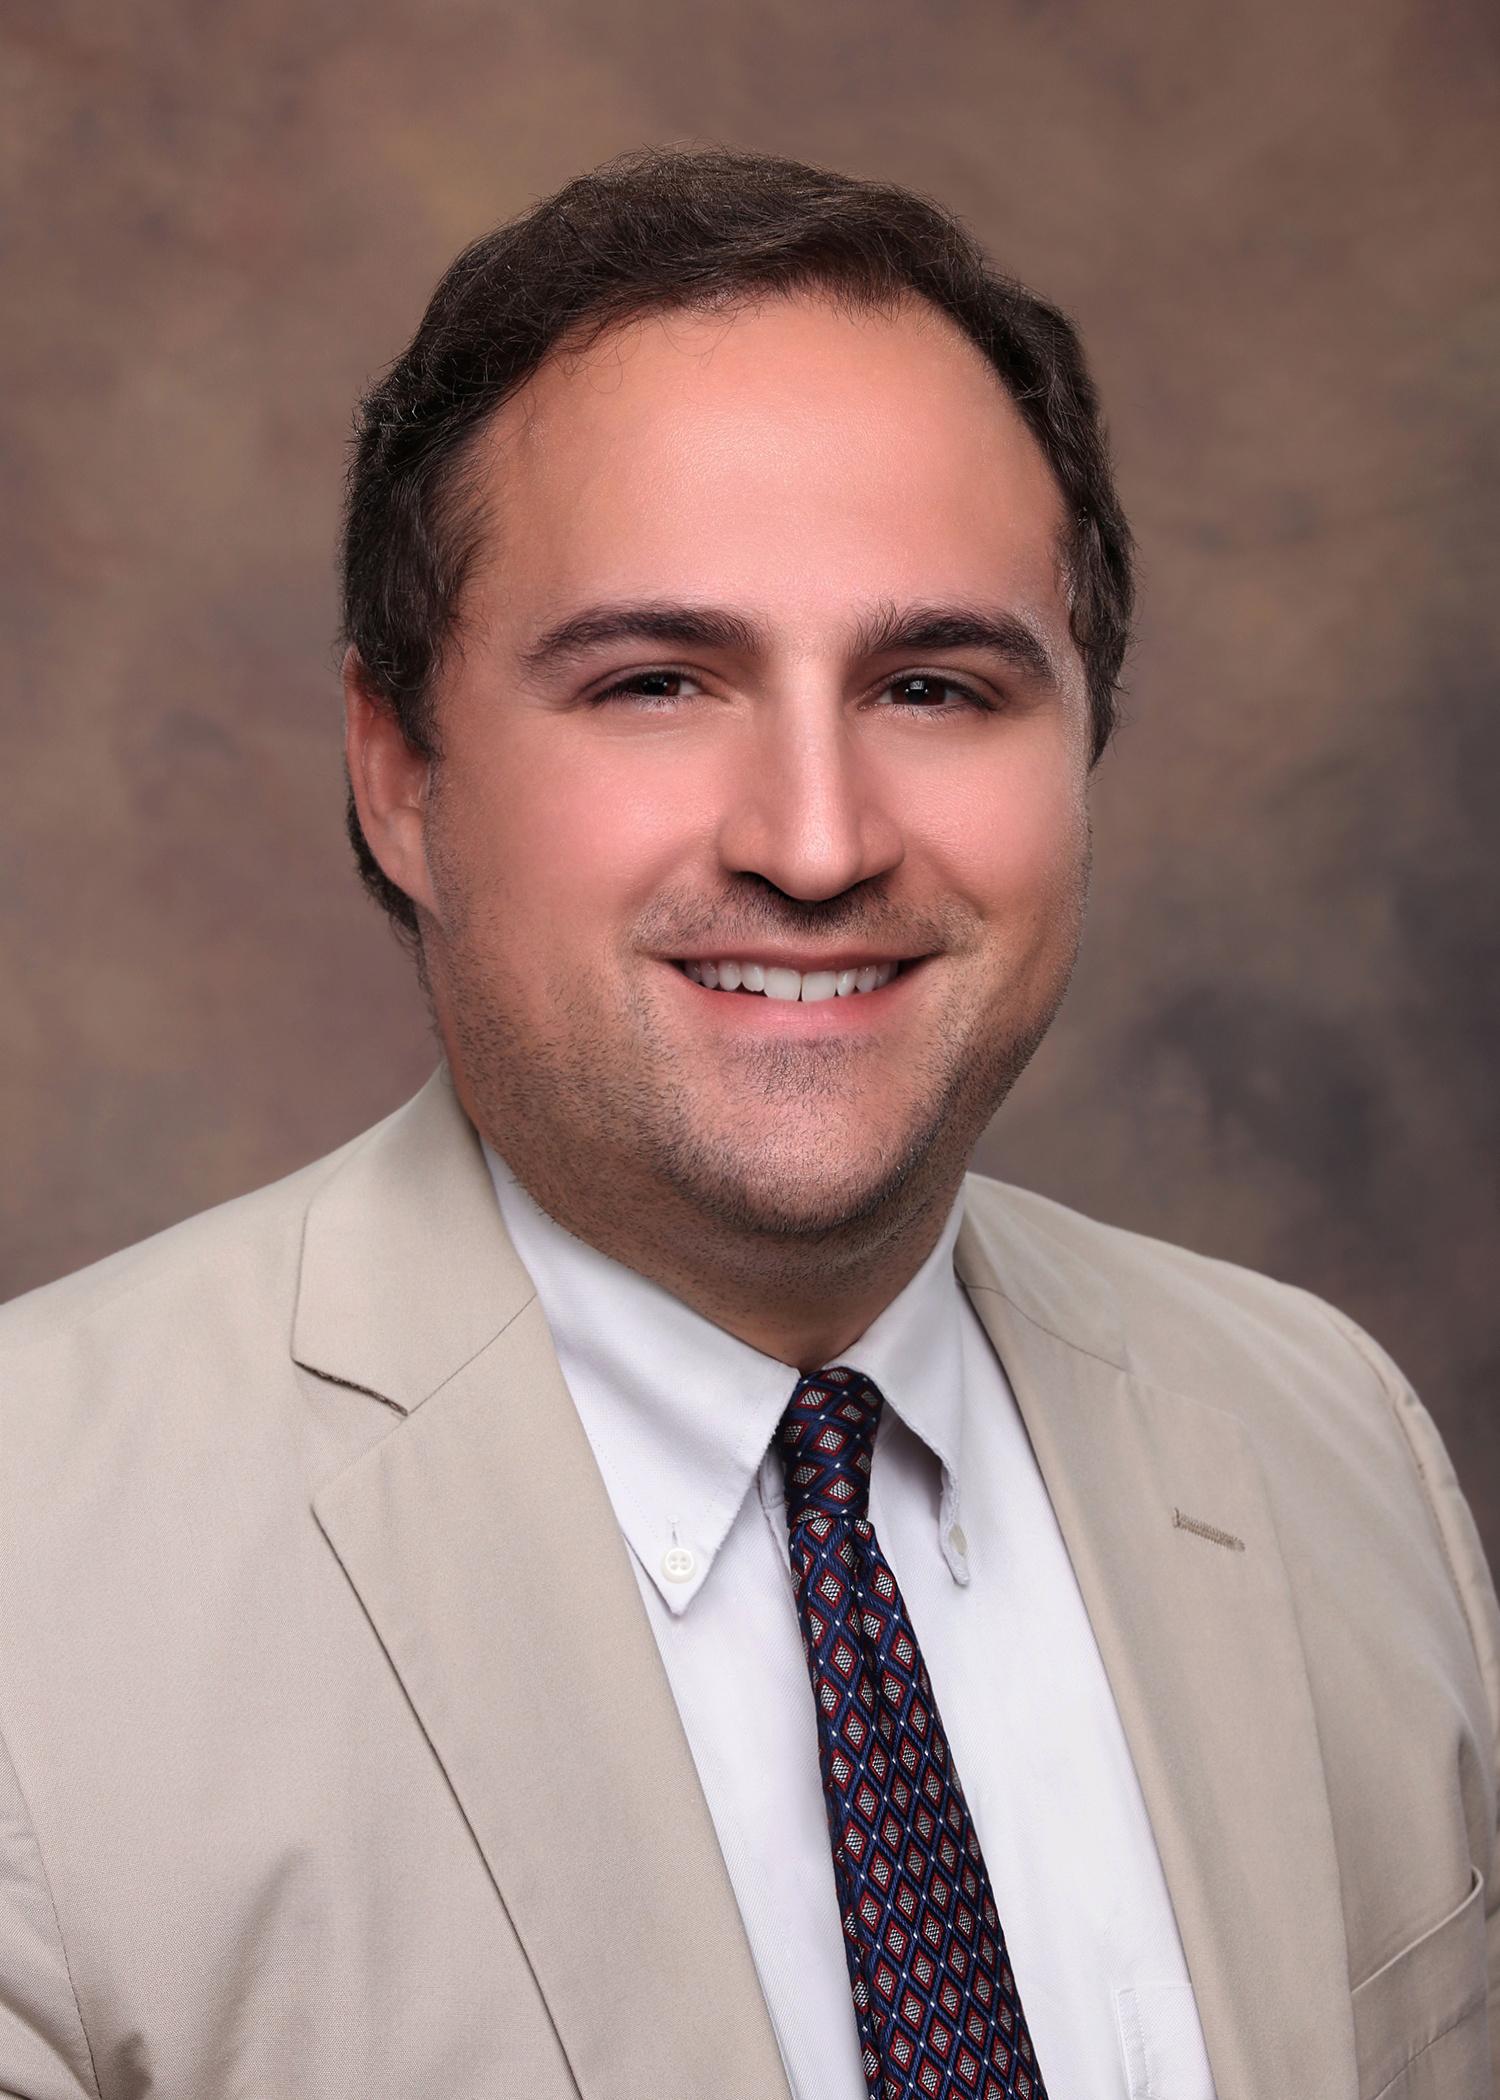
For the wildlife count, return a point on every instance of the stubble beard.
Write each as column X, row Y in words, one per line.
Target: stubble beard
column 775, row 1176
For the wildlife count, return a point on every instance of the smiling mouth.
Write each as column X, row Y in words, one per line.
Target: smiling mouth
column 771, row 981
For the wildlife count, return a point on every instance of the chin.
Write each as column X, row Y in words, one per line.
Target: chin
column 799, row 1183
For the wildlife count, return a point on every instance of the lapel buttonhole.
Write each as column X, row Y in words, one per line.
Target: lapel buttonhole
column 1211, row 1532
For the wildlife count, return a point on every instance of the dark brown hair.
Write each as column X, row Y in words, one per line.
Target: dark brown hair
column 650, row 232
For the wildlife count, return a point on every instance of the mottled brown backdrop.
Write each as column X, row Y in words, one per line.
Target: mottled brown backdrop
column 1277, row 221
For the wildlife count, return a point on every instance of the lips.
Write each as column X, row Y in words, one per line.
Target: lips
column 773, row 981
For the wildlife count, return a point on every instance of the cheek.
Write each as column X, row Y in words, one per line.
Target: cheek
column 564, row 840
column 1013, row 838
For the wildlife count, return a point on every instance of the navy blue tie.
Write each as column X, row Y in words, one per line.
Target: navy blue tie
column 936, row 2005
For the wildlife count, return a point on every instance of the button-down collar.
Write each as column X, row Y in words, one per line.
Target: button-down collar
column 681, row 1414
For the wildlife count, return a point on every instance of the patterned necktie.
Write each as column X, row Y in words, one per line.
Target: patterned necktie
column 936, row 2004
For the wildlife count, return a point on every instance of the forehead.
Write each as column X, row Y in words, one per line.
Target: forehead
column 791, row 454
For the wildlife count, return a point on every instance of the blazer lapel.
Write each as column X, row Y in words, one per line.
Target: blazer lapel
column 480, row 1540
column 1164, row 1513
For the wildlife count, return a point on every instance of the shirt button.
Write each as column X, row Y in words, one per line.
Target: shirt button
column 679, row 1564
column 958, row 1542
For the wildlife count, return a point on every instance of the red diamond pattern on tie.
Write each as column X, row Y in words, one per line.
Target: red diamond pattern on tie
column 935, row 2002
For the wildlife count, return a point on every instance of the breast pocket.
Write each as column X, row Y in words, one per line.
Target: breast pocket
column 1419, row 2023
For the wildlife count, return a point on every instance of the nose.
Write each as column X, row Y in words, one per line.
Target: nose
column 807, row 810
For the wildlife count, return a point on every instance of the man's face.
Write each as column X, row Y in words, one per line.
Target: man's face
column 766, row 678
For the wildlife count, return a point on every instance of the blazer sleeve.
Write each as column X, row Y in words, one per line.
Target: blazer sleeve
column 44, row 2053
column 1475, row 1590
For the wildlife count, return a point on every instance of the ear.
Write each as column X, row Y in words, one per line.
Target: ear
column 389, row 778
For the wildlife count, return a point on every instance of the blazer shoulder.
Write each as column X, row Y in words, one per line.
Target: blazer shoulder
column 1323, row 1402
column 1315, row 1392
column 1180, row 1319
column 217, row 1253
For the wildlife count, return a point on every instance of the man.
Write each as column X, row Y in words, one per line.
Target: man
column 633, row 1578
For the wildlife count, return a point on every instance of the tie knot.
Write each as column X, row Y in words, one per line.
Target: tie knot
column 826, row 1440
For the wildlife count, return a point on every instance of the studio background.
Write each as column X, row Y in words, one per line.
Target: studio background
column 1276, row 224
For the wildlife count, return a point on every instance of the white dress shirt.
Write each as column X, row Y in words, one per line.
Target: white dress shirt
column 681, row 1417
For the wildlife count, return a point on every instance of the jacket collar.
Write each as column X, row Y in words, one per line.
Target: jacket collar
column 1002, row 1248
column 407, row 1273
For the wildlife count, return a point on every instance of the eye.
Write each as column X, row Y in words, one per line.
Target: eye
column 651, row 688
column 925, row 691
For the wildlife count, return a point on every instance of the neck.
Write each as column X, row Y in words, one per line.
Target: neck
column 802, row 1298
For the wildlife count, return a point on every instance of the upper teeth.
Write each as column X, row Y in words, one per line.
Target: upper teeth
column 777, row 983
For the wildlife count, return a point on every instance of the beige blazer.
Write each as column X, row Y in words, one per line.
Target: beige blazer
column 342, row 1765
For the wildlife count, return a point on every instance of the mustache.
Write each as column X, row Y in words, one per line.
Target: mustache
column 749, row 907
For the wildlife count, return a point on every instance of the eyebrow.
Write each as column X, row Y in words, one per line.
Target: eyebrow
column 672, row 626
column 930, row 629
